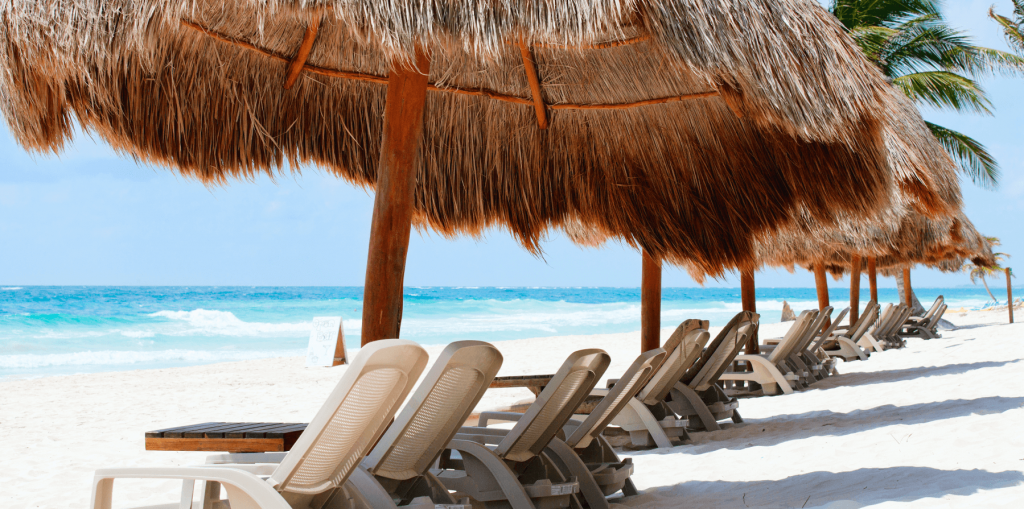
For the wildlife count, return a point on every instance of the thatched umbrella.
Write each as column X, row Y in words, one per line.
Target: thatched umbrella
column 681, row 126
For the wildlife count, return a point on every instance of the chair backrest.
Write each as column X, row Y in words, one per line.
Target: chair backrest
column 725, row 347
column 813, row 330
column 705, row 355
column 866, row 321
column 883, row 319
column 935, row 307
column 681, row 350
column 821, row 338
column 435, row 411
column 898, row 320
column 354, row 416
column 796, row 332
column 934, row 321
column 555, row 405
column 628, row 386
column 872, row 306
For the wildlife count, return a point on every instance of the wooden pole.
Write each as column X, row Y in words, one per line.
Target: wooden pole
column 748, row 296
column 822, row 286
column 1009, row 294
column 854, row 289
column 393, row 203
column 873, row 279
column 650, row 303
column 907, row 292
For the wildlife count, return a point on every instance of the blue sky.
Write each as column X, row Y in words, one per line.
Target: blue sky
column 89, row 217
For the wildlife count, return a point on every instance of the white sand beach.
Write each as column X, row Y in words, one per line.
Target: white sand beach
column 937, row 424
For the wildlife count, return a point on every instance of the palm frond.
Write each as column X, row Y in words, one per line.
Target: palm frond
column 944, row 89
column 970, row 156
column 1012, row 29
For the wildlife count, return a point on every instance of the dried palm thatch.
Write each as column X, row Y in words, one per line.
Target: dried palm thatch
column 682, row 126
column 940, row 244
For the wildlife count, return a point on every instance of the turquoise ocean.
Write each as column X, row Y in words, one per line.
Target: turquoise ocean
column 61, row 330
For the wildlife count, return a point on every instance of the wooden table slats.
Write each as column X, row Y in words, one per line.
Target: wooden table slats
column 226, row 437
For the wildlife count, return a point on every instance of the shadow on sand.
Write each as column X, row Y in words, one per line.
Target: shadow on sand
column 782, row 428
column 836, row 490
column 899, row 375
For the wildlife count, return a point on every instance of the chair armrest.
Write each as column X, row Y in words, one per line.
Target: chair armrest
column 611, row 382
column 498, row 416
column 476, row 430
column 244, row 483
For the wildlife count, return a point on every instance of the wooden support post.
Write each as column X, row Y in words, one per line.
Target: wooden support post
column 1009, row 294
column 534, row 80
column 822, row 286
column 393, row 203
column 748, row 297
column 650, row 303
column 296, row 65
column 873, row 279
column 907, row 291
column 854, row 289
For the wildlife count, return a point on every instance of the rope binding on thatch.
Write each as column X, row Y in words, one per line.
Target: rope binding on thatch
column 299, row 65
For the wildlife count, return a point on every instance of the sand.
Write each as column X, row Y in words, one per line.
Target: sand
column 937, row 424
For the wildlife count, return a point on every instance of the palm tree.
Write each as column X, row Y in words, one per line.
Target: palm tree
column 933, row 63
column 1012, row 27
column 981, row 271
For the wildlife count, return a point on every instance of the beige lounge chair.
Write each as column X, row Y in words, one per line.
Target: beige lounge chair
column 698, row 396
column 873, row 339
column 770, row 370
column 844, row 344
column 585, row 454
column 925, row 327
column 889, row 337
column 515, row 472
column 646, row 417
column 820, row 364
column 347, row 426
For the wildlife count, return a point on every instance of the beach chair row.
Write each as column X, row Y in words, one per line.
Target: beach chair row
column 356, row 453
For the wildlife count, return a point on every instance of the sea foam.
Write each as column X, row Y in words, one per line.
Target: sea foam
column 126, row 358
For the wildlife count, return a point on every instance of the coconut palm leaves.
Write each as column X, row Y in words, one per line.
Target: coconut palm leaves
column 933, row 63
column 977, row 272
column 1012, row 26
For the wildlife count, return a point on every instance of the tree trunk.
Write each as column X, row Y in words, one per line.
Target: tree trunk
column 854, row 289
column 748, row 297
column 393, row 202
column 915, row 304
column 984, row 282
column 821, row 283
column 650, row 303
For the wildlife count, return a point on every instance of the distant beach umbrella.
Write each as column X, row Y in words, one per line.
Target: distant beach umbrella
column 685, row 127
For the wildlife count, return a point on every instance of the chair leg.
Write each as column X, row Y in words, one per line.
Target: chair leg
column 565, row 458
column 370, row 489
column 687, row 394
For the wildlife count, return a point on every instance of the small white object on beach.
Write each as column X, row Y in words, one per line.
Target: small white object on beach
column 326, row 338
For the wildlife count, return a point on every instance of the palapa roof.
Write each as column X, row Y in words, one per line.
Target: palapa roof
column 681, row 126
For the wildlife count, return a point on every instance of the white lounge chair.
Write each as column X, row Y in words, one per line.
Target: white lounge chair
column 770, row 370
column 514, row 472
column 347, row 426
